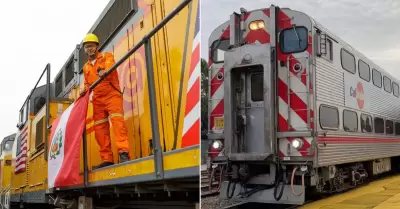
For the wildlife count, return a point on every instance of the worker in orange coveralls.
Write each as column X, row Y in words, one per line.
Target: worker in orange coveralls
column 107, row 102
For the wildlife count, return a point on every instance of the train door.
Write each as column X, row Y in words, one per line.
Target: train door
column 252, row 105
column 248, row 103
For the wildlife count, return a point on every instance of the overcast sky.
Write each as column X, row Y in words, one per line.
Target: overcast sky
column 34, row 33
column 371, row 27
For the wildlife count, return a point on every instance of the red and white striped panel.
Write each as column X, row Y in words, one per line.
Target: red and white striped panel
column 293, row 107
column 191, row 123
column 217, row 86
column 293, row 116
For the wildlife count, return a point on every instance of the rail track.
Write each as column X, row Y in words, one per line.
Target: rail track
column 210, row 182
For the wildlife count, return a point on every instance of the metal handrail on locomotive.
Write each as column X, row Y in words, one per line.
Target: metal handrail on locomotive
column 148, row 40
column 292, row 102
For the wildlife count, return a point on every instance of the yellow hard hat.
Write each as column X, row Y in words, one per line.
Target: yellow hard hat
column 90, row 37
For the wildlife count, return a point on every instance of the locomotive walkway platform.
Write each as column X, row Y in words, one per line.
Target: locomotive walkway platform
column 380, row 194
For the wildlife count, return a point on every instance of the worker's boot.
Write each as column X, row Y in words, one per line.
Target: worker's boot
column 123, row 157
column 102, row 165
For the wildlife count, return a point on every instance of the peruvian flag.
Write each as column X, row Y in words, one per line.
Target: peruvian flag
column 65, row 145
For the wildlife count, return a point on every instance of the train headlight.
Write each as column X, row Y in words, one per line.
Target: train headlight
column 257, row 24
column 217, row 144
column 297, row 143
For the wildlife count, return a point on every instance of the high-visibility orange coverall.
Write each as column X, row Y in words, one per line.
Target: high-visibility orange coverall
column 107, row 101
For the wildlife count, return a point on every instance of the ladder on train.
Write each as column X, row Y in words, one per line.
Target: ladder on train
column 301, row 94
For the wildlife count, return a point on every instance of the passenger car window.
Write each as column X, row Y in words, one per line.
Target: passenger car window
column 377, row 78
column 387, row 84
column 379, row 125
column 218, row 48
column 364, row 71
column 348, row 61
column 328, row 117
column 366, row 123
column 389, row 127
column 396, row 89
column 350, row 121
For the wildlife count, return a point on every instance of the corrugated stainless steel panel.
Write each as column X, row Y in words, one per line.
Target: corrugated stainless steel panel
column 334, row 154
column 329, row 83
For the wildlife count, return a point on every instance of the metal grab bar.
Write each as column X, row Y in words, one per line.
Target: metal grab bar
column 143, row 41
column 158, row 158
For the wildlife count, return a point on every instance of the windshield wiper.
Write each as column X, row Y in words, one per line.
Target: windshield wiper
column 297, row 35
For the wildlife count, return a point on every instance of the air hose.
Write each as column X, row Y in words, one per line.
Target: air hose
column 279, row 175
column 233, row 189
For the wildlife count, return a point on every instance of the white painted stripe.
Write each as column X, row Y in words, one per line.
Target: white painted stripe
column 21, row 160
column 219, row 93
column 23, row 152
column 196, row 41
column 191, row 118
column 20, row 167
column 195, row 75
column 54, row 165
column 296, row 122
column 295, row 84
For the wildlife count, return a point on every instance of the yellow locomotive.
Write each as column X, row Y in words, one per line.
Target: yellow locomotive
column 156, row 48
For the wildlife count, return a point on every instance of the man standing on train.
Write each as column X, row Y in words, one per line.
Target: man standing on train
column 107, row 102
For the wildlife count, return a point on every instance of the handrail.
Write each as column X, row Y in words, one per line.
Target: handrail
column 143, row 41
column 158, row 164
column 47, row 68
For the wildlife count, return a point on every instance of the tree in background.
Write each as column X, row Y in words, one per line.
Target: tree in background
column 204, row 95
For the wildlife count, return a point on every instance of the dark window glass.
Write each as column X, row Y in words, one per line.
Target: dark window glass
column 350, row 121
column 379, row 125
column 257, row 87
column 376, row 78
column 364, row 71
column 294, row 40
column 389, row 127
column 387, row 84
column 328, row 117
column 366, row 123
column 397, row 128
column 348, row 61
column 396, row 89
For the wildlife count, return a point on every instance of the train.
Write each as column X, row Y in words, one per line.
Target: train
column 294, row 110
column 156, row 48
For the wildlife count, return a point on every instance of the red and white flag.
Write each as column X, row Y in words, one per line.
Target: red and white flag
column 65, row 142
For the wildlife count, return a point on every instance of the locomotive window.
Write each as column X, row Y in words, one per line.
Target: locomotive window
column 294, row 40
column 257, row 87
column 350, row 121
column 379, row 125
column 218, row 48
column 396, row 89
column 387, row 84
column 389, row 127
column 363, row 70
column 377, row 78
column 366, row 123
column 348, row 61
column 397, row 128
column 328, row 117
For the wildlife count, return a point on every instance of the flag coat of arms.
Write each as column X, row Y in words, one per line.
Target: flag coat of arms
column 64, row 147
